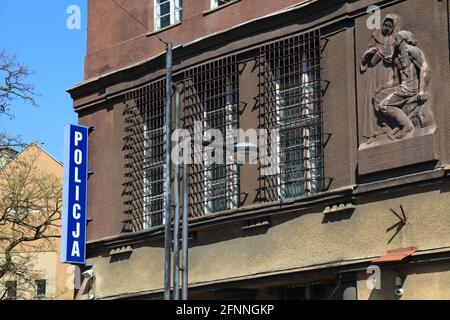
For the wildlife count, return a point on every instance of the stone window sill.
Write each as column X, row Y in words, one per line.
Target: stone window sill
column 149, row 34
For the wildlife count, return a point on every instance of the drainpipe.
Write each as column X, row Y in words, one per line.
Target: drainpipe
column 176, row 227
column 168, row 173
column 185, row 230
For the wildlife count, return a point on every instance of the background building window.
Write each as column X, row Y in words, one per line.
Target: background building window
column 41, row 288
column 11, row 290
column 167, row 12
column 290, row 102
column 218, row 3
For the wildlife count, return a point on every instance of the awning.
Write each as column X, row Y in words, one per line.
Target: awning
column 396, row 255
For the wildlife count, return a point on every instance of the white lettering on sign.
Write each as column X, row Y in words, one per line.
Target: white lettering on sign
column 75, row 249
column 77, row 176
column 78, row 160
column 78, row 157
column 76, row 213
column 78, row 138
column 76, row 233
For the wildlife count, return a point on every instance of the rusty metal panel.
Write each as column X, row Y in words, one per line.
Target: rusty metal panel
column 396, row 255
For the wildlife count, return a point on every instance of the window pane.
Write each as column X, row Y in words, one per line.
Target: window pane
column 11, row 290
column 168, row 12
column 162, row 8
column 164, row 21
column 41, row 287
column 218, row 3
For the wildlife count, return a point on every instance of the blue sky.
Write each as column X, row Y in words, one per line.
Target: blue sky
column 36, row 32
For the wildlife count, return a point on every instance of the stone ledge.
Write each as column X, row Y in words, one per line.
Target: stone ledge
column 397, row 154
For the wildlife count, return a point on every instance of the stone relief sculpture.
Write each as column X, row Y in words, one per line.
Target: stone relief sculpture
column 404, row 99
column 401, row 103
column 376, row 73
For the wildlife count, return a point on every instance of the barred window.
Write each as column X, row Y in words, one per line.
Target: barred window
column 167, row 12
column 145, row 156
column 290, row 102
column 211, row 100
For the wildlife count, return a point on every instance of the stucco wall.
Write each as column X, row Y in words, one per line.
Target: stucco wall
column 293, row 242
column 430, row 281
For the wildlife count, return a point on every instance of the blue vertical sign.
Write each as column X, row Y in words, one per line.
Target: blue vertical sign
column 74, row 218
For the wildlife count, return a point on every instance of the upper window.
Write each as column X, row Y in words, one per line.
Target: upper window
column 218, row 3
column 167, row 13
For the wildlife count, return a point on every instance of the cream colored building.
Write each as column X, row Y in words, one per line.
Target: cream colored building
column 49, row 279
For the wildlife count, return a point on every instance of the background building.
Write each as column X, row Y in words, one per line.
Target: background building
column 38, row 273
column 358, row 185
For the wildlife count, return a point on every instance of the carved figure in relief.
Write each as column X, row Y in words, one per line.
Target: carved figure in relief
column 403, row 100
column 376, row 73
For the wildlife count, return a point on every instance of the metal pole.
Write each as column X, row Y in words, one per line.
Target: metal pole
column 185, row 230
column 176, row 227
column 168, row 173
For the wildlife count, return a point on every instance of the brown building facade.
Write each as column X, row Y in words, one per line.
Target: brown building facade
column 359, row 101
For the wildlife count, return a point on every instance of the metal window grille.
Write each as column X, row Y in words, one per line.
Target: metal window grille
column 290, row 100
column 211, row 100
column 144, row 156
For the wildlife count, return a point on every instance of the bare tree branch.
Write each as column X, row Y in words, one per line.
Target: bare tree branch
column 13, row 83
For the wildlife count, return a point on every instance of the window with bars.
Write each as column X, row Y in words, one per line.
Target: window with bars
column 218, row 3
column 145, row 156
column 211, row 100
column 167, row 13
column 290, row 102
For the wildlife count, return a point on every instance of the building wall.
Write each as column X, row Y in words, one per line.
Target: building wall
column 301, row 236
column 301, row 240
column 425, row 282
column 115, row 40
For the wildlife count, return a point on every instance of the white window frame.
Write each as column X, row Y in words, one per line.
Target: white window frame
column 175, row 12
column 149, row 198
column 215, row 4
column 232, row 177
column 307, row 106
